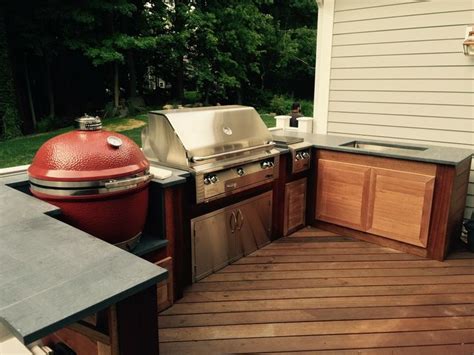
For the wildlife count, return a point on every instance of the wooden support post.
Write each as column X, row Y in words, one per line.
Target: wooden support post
column 137, row 321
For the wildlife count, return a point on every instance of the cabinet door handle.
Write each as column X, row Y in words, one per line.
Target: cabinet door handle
column 240, row 218
column 232, row 222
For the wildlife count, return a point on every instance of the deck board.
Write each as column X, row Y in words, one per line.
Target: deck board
column 320, row 293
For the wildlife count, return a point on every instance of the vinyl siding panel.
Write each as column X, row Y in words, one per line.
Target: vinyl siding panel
column 409, row 97
column 421, row 85
column 398, row 73
column 402, row 36
column 414, row 47
column 412, row 73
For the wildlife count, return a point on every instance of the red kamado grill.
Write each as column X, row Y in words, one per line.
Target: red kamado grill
column 99, row 179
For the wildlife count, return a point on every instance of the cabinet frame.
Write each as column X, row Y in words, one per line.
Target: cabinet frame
column 449, row 195
column 287, row 229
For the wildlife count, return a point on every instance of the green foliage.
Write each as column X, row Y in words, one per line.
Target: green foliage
column 210, row 51
column 9, row 117
column 192, row 97
column 281, row 105
column 10, row 121
column 49, row 123
column 20, row 151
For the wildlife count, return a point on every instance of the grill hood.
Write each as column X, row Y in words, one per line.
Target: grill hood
column 192, row 138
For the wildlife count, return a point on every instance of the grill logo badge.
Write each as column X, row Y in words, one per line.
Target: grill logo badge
column 227, row 130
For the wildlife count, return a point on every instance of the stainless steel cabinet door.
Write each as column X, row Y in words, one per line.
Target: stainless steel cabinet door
column 210, row 244
column 254, row 221
column 233, row 240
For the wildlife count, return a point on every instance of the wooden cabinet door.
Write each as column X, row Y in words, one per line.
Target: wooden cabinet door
column 400, row 205
column 295, row 205
column 342, row 193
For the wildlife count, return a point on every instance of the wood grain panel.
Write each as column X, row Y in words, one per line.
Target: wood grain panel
column 400, row 205
column 327, row 342
column 347, row 265
column 318, row 303
column 379, row 162
column 305, row 315
column 402, row 35
column 309, row 328
column 295, row 205
column 337, row 302
column 294, row 259
column 342, row 192
column 334, row 282
column 315, row 292
column 447, row 85
column 289, row 275
column 406, row 22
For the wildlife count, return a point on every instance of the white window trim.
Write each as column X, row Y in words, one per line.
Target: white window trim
column 323, row 65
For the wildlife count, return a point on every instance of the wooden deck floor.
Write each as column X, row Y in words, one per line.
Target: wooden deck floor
column 320, row 293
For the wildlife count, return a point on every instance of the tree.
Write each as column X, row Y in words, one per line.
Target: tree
column 8, row 109
column 103, row 35
column 228, row 45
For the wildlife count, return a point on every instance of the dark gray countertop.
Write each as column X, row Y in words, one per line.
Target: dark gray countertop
column 433, row 154
column 52, row 274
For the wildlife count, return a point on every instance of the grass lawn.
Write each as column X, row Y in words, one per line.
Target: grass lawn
column 20, row 151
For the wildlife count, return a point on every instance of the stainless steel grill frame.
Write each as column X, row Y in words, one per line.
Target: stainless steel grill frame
column 228, row 149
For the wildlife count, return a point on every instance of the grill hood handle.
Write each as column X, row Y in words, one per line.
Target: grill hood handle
column 127, row 182
column 268, row 145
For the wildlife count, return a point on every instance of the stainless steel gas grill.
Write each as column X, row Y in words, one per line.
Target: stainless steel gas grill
column 228, row 149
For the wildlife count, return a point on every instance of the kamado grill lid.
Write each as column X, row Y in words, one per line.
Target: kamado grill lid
column 88, row 157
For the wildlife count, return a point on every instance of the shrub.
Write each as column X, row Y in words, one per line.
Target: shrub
column 192, row 97
column 281, row 105
column 48, row 123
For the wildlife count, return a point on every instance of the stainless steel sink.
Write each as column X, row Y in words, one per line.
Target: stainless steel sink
column 383, row 147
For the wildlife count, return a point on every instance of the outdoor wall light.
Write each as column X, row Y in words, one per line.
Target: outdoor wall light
column 468, row 44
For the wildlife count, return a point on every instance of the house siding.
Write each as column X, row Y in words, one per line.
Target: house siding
column 398, row 73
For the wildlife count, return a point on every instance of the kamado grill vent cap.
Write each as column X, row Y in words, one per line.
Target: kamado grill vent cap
column 89, row 123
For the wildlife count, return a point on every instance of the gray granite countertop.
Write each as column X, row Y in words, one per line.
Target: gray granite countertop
column 432, row 153
column 52, row 274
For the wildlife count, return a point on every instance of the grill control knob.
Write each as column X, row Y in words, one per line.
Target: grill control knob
column 270, row 164
column 299, row 156
column 305, row 155
column 213, row 178
column 265, row 164
column 240, row 171
column 207, row 181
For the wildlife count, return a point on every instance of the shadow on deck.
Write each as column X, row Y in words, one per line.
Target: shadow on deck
column 321, row 293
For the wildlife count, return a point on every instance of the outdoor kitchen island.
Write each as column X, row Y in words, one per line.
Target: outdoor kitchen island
column 53, row 275
column 241, row 193
column 403, row 196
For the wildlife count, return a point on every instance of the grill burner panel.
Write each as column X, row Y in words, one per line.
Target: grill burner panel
column 214, row 185
column 300, row 152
